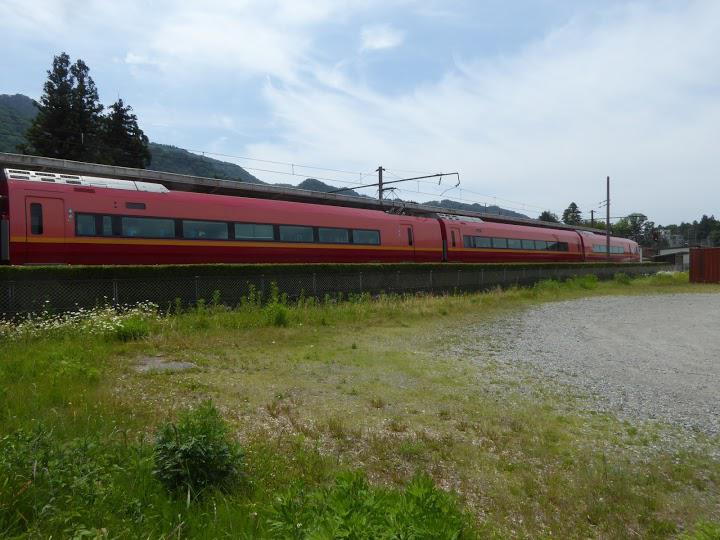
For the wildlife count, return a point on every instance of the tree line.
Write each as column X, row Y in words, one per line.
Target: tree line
column 639, row 228
column 72, row 123
column 635, row 226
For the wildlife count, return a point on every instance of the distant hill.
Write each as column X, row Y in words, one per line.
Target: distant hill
column 17, row 112
column 176, row 160
column 476, row 207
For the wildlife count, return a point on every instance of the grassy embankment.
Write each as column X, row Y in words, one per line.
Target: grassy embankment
column 376, row 386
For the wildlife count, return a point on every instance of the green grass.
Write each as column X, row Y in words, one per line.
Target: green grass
column 351, row 416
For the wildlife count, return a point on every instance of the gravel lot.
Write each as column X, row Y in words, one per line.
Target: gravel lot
column 644, row 357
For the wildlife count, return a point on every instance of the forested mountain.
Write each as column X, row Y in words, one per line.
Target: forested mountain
column 17, row 112
column 476, row 207
column 176, row 160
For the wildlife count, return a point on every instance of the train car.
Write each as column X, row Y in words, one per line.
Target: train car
column 621, row 249
column 65, row 219
column 48, row 218
column 479, row 241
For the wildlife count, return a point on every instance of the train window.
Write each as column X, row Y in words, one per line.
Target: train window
column 528, row 244
column 468, row 241
column 148, row 227
column 552, row 246
column 333, row 236
column 562, row 246
column 85, row 225
column 135, row 205
column 452, row 237
column 500, row 243
column 253, row 231
column 294, row 233
column 483, row 242
column 410, row 236
column 107, row 228
column 209, row 230
column 36, row 218
column 541, row 244
column 598, row 248
column 514, row 243
column 361, row 236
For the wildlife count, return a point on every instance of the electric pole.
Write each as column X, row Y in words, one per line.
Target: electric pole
column 380, row 170
column 607, row 223
column 592, row 218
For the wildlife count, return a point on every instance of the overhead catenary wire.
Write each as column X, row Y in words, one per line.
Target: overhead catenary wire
column 522, row 205
column 293, row 172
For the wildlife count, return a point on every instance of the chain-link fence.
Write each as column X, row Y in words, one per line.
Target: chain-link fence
column 21, row 296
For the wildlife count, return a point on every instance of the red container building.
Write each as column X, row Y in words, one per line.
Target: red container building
column 705, row 265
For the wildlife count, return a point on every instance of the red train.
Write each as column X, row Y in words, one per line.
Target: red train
column 48, row 218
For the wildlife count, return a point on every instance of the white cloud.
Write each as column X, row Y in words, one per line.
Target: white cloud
column 382, row 36
column 635, row 97
column 631, row 90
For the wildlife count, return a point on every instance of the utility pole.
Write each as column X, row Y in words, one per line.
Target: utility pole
column 380, row 170
column 607, row 223
column 592, row 218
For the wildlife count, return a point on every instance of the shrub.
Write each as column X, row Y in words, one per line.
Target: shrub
column 131, row 328
column 277, row 315
column 197, row 452
column 547, row 285
column 351, row 508
column 583, row 282
column 621, row 278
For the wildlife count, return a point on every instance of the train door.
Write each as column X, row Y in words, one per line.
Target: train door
column 407, row 236
column 44, row 230
column 455, row 242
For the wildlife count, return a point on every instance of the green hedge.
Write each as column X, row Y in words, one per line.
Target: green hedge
column 24, row 273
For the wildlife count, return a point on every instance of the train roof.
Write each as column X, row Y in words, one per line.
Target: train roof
column 65, row 171
column 79, row 180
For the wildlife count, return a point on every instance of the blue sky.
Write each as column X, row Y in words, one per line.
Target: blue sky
column 534, row 102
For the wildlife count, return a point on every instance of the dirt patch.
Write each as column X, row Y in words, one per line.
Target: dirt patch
column 159, row 364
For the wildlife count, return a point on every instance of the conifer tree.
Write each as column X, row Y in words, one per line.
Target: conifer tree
column 68, row 123
column 572, row 215
column 87, row 119
column 48, row 134
column 125, row 143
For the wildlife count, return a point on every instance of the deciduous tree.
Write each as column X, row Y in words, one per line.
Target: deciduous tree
column 548, row 216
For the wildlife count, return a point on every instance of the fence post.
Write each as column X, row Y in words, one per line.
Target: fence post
column 361, row 283
column 262, row 287
column 314, row 284
column 397, row 280
column 116, row 299
column 482, row 278
column 197, row 290
column 431, row 281
column 11, row 295
column 457, row 280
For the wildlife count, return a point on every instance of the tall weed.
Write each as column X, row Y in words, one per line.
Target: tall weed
column 352, row 508
column 197, row 452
